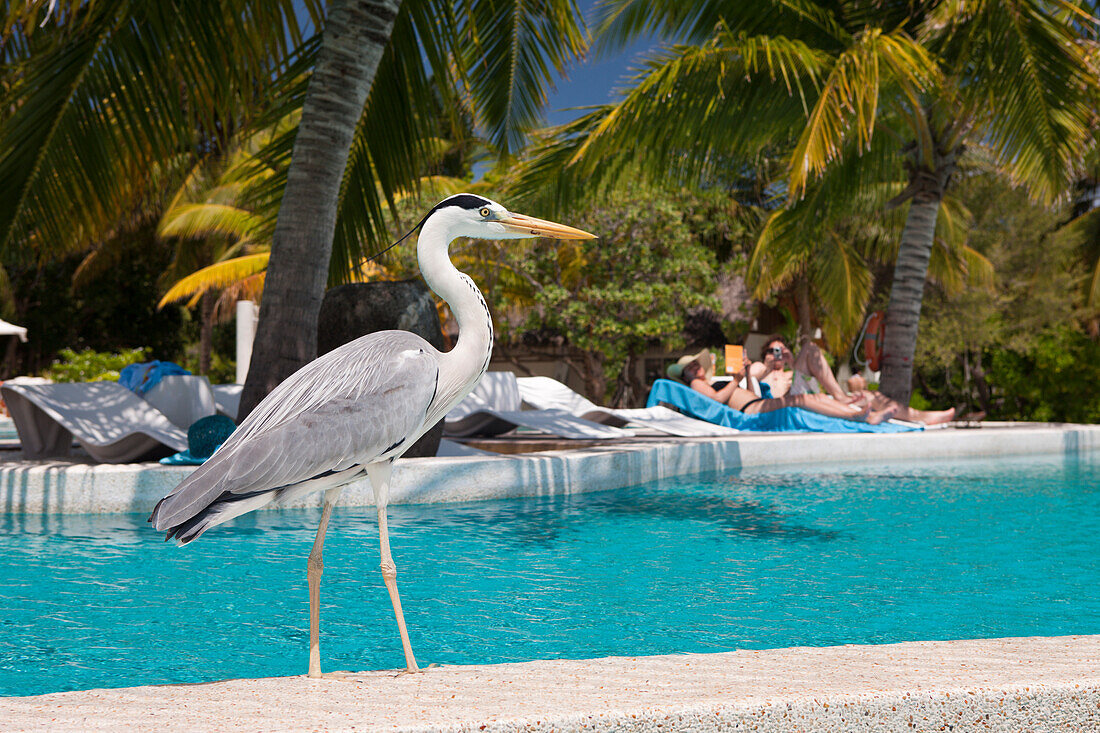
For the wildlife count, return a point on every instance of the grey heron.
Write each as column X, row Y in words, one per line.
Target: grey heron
column 356, row 409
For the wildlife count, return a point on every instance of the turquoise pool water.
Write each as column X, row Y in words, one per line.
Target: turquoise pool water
column 749, row 559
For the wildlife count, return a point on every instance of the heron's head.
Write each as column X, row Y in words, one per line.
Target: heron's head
column 470, row 215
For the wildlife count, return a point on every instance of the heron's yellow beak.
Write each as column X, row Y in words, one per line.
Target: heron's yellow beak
column 533, row 227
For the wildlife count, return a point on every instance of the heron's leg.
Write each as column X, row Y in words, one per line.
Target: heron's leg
column 314, row 567
column 380, row 480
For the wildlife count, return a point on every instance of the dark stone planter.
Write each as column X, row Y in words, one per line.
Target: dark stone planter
column 351, row 311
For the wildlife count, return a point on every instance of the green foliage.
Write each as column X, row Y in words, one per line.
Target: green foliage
column 1053, row 380
column 107, row 313
column 92, row 366
column 1014, row 350
column 615, row 296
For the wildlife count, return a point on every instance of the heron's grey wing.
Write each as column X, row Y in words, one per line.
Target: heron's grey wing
column 350, row 406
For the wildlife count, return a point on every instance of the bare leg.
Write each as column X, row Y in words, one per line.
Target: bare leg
column 811, row 361
column 380, row 481
column 928, row 417
column 825, row 405
column 314, row 567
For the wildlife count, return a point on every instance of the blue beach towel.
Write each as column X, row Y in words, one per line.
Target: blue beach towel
column 788, row 419
column 140, row 378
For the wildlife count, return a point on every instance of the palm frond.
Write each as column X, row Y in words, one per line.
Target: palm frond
column 621, row 21
column 203, row 220
column 511, row 51
column 114, row 88
column 217, row 276
column 842, row 282
column 782, row 251
column 847, row 108
column 692, row 108
column 1032, row 97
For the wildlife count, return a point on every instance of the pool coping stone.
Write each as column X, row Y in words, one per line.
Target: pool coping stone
column 65, row 487
column 1035, row 684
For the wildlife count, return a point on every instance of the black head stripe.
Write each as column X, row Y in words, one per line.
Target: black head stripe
column 461, row 200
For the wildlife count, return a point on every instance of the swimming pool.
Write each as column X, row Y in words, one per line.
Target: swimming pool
column 750, row 559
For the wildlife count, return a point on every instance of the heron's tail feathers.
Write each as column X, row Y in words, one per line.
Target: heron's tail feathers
column 225, row 508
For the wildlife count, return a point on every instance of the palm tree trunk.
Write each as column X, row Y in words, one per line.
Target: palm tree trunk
column 355, row 37
column 805, row 316
column 910, row 273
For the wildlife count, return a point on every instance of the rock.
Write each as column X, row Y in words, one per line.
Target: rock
column 354, row 310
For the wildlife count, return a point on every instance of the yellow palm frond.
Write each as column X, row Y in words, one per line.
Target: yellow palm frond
column 217, row 276
column 849, row 100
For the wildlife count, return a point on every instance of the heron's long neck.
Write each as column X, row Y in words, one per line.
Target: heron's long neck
column 463, row 365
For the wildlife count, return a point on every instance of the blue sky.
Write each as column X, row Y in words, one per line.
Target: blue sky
column 594, row 80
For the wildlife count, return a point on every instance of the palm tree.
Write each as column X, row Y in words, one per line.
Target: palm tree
column 94, row 103
column 503, row 52
column 110, row 103
column 869, row 95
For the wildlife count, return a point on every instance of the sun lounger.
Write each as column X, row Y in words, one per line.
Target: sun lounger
column 544, row 393
column 788, row 419
column 227, row 398
column 110, row 422
column 183, row 399
column 494, row 407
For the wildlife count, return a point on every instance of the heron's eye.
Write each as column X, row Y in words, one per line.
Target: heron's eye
column 485, row 212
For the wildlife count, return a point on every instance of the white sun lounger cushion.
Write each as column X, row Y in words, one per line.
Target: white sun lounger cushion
column 182, row 399
column 227, row 398
column 493, row 407
column 544, row 393
column 552, row 422
column 110, row 422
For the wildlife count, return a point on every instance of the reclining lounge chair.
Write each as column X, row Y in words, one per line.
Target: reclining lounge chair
column 787, row 419
column 544, row 393
column 109, row 421
column 493, row 408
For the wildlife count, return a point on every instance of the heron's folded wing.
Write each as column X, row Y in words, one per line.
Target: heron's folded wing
column 328, row 416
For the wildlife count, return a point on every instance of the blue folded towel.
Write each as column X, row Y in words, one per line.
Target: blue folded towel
column 788, row 419
column 140, row 378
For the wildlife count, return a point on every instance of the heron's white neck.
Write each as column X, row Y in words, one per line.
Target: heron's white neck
column 462, row 366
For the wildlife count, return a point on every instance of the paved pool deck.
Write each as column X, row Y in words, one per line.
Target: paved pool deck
column 1027, row 684
column 65, row 487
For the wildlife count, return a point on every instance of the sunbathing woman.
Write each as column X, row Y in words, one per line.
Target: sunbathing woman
column 747, row 402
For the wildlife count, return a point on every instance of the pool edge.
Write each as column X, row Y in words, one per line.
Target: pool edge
column 56, row 487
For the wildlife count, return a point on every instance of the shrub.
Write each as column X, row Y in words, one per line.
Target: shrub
column 92, row 366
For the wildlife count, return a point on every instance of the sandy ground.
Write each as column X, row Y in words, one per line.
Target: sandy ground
column 1033, row 684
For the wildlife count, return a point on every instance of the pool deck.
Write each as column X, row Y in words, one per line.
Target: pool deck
column 66, row 487
column 1027, row 684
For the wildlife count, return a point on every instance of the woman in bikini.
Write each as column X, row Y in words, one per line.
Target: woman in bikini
column 747, row 402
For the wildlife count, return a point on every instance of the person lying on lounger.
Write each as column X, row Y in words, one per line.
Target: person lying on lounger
column 694, row 375
column 811, row 374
